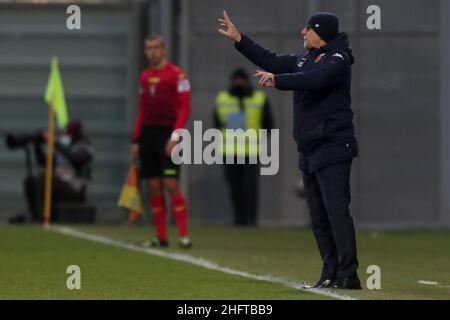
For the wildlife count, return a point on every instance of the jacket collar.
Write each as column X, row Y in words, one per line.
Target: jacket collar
column 340, row 42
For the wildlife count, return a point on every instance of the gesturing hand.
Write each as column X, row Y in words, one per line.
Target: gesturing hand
column 267, row 79
column 230, row 30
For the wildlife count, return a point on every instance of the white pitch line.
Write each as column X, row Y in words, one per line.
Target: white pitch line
column 196, row 261
column 430, row 283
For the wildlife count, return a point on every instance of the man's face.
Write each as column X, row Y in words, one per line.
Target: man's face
column 155, row 51
column 311, row 39
column 240, row 83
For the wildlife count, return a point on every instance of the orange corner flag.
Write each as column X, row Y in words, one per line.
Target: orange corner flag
column 133, row 216
column 130, row 198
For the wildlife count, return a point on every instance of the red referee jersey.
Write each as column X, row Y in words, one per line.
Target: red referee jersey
column 165, row 98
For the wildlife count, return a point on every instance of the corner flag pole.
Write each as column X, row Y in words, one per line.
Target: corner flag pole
column 49, row 166
column 56, row 101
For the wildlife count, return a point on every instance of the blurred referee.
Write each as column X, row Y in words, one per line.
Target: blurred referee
column 323, row 130
column 164, row 107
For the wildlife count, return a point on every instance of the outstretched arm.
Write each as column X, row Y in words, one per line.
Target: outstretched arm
column 331, row 72
column 260, row 56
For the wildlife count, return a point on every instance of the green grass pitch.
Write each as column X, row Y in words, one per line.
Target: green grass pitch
column 34, row 261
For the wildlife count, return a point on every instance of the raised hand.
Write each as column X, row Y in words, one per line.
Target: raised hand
column 266, row 79
column 229, row 31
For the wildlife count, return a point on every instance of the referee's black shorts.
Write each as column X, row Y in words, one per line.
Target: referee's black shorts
column 152, row 155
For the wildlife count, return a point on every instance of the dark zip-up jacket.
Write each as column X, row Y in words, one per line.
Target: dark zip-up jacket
column 321, row 81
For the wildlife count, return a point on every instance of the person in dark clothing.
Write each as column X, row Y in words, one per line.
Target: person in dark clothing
column 231, row 113
column 323, row 130
column 72, row 170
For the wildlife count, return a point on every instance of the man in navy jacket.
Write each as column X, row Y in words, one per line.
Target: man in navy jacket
column 323, row 131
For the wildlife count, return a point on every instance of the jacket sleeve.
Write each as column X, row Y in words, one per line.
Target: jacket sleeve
column 183, row 101
column 76, row 156
column 331, row 71
column 265, row 59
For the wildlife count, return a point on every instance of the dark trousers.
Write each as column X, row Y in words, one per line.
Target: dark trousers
column 328, row 197
column 242, row 181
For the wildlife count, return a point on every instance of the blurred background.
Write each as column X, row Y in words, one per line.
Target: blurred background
column 401, row 98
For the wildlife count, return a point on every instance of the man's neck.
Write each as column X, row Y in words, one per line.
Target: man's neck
column 159, row 65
